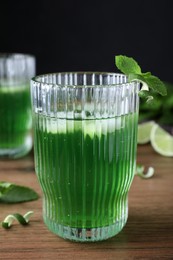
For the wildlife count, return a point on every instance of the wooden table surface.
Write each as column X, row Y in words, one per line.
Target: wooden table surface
column 148, row 233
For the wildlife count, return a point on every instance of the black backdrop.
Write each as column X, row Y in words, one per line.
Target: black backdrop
column 86, row 35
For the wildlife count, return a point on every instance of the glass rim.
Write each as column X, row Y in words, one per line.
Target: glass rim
column 17, row 55
column 36, row 78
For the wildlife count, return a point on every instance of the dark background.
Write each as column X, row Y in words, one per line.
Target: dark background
column 86, row 35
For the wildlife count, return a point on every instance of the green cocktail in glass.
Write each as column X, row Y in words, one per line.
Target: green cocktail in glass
column 85, row 153
column 15, row 105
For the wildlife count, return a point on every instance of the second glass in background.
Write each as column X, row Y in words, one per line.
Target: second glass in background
column 16, row 70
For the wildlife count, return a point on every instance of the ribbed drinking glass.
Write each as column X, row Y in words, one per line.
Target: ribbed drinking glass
column 85, row 132
column 16, row 70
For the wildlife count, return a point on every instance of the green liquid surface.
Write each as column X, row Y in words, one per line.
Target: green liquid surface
column 15, row 116
column 85, row 168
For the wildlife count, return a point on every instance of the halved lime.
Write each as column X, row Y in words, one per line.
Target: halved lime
column 144, row 131
column 161, row 141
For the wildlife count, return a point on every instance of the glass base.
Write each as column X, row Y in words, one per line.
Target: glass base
column 17, row 152
column 86, row 234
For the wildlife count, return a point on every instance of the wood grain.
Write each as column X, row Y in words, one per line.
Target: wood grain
column 148, row 233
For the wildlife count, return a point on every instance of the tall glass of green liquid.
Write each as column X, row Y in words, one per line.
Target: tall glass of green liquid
column 16, row 71
column 85, row 131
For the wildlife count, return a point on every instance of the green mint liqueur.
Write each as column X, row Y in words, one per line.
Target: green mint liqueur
column 15, row 117
column 85, row 168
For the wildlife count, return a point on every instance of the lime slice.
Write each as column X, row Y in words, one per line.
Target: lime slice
column 144, row 131
column 161, row 141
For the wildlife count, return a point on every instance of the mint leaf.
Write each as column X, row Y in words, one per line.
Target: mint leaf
column 155, row 84
column 127, row 65
column 131, row 68
column 149, row 81
column 12, row 193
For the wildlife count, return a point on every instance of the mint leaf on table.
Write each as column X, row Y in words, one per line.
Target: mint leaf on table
column 130, row 67
column 12, row 193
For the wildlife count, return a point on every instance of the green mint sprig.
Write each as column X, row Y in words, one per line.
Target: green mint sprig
column 151, row 85
column 12, row 193
column 23, row 220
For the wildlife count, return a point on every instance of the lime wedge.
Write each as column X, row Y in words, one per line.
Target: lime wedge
column 161, row 141
column 144, row 131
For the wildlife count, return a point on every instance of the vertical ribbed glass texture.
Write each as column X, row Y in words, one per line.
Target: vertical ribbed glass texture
column 85, row 129
column 16, row 71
